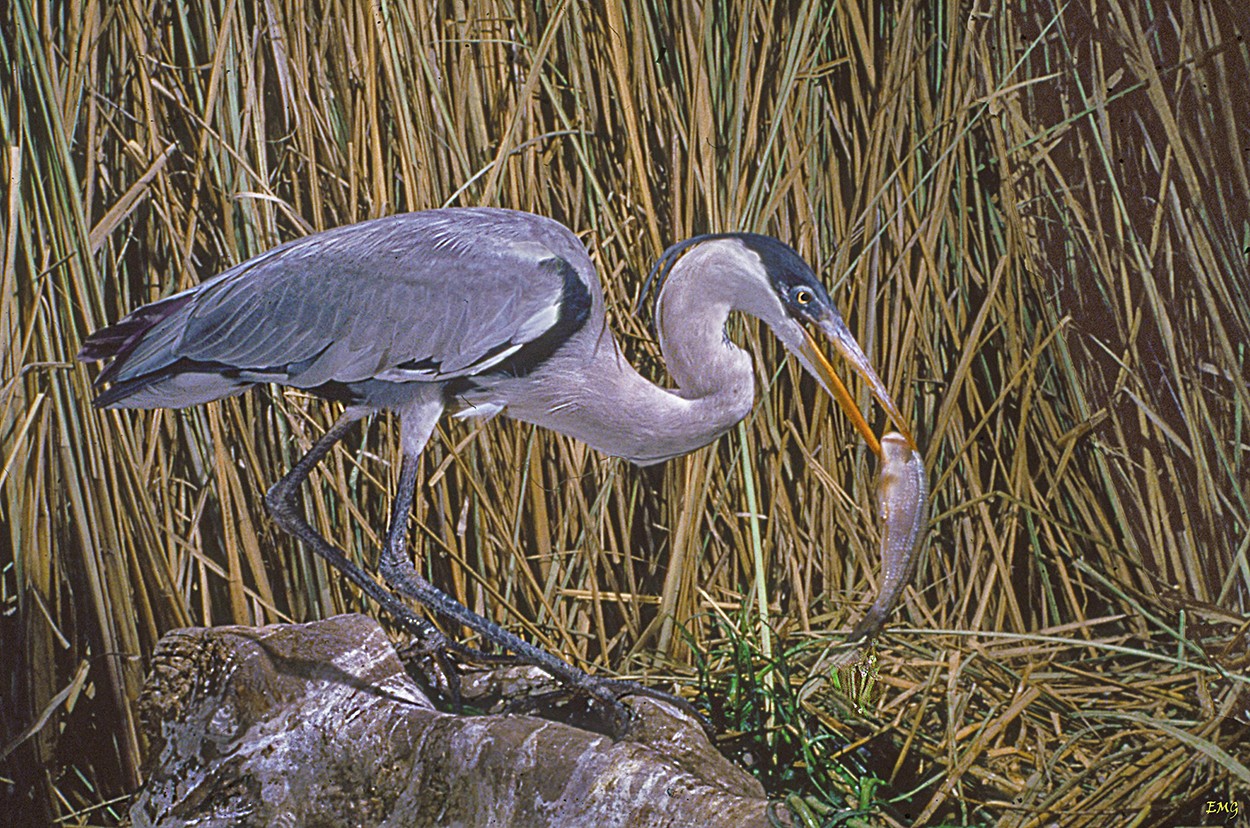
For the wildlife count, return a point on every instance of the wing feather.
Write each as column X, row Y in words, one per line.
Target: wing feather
column 420, row 296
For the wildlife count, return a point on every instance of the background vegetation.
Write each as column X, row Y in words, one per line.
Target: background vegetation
column 1034, row 216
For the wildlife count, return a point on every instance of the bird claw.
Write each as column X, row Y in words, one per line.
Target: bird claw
column 610, row 692
column 592, row 703
column 427, row 657
column 577, row 707
column 589, row 702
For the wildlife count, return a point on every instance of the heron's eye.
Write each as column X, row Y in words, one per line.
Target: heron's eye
column 802, row 296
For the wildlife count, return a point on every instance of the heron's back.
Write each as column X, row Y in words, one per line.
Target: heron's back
column 361, row 313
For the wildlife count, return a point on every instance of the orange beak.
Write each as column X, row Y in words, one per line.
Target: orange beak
column 834, row 328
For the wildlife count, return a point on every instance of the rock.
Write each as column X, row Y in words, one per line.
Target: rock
column 319, row 724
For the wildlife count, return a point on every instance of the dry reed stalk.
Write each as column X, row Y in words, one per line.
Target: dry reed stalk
column 1034, row 216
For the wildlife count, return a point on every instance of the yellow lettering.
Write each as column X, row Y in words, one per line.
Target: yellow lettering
column 1231, row 807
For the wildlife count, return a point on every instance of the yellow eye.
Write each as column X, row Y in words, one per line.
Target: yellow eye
column 803, row 296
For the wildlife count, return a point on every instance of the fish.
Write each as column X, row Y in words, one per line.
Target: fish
column 903, row 509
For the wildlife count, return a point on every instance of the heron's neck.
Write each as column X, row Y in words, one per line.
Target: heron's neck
column 646, row 423
column 604, row 402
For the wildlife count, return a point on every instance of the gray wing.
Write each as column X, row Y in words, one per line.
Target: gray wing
column 417, row 297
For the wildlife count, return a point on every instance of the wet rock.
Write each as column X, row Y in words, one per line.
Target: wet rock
column 319, row 724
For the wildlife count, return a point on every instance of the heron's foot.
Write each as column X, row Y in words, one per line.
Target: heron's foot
column 601, row 698
column 509, row 683
column 613, row 690
column 577, row 708
column 591, row 703
column 427, row 658
column 438, row 660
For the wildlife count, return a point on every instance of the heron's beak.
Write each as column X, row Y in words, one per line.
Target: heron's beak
column 833, row 327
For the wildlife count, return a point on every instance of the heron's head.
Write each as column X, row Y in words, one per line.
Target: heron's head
column 766, row 278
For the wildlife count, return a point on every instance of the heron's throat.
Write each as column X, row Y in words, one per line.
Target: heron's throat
column 607, row 404
column 646, row 423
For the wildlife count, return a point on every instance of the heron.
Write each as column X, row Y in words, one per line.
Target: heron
column 475, row 312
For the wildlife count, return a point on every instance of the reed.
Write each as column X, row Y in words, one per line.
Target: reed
column 1033, row 215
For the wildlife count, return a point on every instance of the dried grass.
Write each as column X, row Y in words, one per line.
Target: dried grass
column 1033, row 215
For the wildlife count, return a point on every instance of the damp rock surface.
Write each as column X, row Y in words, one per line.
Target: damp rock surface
column 320, row 724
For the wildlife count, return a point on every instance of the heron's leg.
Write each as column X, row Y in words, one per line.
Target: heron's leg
column 284, row 508
column 400, row 572
column 402, row 575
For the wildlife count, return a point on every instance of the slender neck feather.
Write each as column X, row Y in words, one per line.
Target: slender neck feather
column 601, row 400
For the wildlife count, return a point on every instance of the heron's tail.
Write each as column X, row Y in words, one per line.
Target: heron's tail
column 145, row 372
column 119, row 340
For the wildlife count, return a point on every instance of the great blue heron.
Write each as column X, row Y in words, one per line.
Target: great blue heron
column 475, row 311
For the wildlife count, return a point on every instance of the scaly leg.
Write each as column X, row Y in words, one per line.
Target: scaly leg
column 398, row 571
column 283, row 507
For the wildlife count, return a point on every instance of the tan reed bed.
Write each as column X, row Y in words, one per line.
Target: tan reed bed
column 1033, row 215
